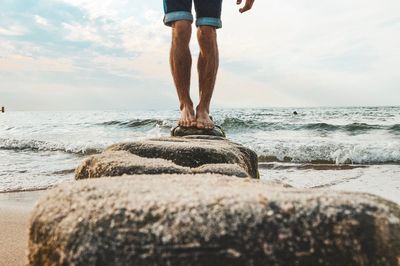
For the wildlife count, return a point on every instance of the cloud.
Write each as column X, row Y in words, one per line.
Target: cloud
column 105, row 8
column 13, row 30
column 296, row 52
column 329, row 53
column 41, row 21
column 86, row 33
column 19, row 63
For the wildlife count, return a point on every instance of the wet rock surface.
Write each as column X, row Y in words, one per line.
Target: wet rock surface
column 209, row 220
column 171, row 155
column 188, row 131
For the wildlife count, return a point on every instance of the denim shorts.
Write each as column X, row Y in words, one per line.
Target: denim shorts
column 208, row 12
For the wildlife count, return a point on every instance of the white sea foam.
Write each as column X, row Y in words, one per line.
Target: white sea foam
column 35, row 145
column 332, row 151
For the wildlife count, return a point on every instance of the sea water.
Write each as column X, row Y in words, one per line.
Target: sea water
column 352, row 148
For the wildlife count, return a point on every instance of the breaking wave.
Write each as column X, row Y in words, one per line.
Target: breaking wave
column 138, row 123
column 331, row 154
column 236, row 124
column 38, row 145
column 232, row 124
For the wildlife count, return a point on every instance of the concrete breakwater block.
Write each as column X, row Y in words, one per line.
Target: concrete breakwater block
column 171, row 155
column 209, row 220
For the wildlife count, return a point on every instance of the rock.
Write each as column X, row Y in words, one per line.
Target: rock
column 209, row 220
column 185, row 131
column 222, row 169
column 183, row 155
column 118, row 163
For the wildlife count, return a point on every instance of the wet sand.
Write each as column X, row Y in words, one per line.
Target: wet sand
column 15, row 209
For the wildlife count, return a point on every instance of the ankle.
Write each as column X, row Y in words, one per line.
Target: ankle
column 186, row 105
column 202, row 109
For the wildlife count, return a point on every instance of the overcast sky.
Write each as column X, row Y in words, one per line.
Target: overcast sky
column 113, row 54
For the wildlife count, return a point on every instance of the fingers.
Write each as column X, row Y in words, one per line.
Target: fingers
column 247, row 6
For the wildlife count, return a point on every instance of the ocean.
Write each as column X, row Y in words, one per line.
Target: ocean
column 350, row 149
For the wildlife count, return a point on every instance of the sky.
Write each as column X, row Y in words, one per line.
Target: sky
column 113, row 55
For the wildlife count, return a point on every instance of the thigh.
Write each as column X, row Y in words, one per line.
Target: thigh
column 177, row 5
column 208, row 8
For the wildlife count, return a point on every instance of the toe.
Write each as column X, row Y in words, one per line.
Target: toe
column 200, row 125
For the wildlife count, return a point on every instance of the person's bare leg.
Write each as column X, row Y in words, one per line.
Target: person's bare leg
column 207, row 68
column 181, row 63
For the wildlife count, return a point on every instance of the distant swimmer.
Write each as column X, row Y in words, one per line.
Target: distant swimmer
column 3, row 109
column 295, row 113
column 178, row 15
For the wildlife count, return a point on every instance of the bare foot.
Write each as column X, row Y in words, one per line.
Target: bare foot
column 188, row 118
column 203, row 119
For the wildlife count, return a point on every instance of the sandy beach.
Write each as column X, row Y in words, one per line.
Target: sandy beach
column 15, row 209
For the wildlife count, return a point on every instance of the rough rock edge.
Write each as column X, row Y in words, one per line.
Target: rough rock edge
column 210, row 220
column 192, row 154
column 118, row 163
column 191, row 147
column 182, row 132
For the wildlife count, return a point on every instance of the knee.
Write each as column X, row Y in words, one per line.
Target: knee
column 182, row 31
column 207, row 35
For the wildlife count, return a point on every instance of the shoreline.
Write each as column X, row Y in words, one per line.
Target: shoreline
column 15, row 211
column 24, row 191
column 16, row 206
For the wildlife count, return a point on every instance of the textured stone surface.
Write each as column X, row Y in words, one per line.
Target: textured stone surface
column 183, row 155
column 209, row 220
column 185, row 131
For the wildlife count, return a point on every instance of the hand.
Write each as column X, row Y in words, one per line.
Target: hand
column 247, row 6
